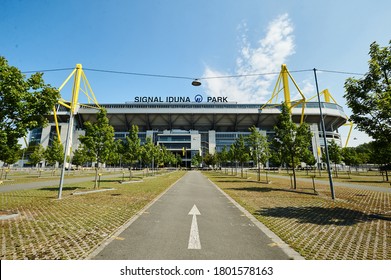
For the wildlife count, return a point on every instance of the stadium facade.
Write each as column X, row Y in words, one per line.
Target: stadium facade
column 196, row 124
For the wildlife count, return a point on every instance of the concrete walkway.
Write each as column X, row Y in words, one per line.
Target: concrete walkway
column 194, row 220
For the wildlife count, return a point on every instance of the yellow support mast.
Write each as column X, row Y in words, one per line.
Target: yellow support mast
column 283, row 84
column 80, row 83
column 73, row 106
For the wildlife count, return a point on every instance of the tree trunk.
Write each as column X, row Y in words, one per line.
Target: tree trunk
column 336, row 171
column 259, row 172
column 96, row 177
column 294, row 172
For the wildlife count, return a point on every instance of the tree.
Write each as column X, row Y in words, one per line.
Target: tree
column 290, row 139
column 335, row 155
column 98, row 140
column 232, row 156
column 12, row 154
column 382, row 156
column 178, row 159
column 308, row 158
column 242, row 153
column 350, row 156
column 370, row 100
column 23, row 105
column 259, row 148
column 37, row 154
column 223, row 155
column 115, row 157
column 196, row 160
column 370, row 97
column 210, row 160
column 365, row 153
column 131, row 148
column 149, row 152
column 80, row 156
column 54, row 153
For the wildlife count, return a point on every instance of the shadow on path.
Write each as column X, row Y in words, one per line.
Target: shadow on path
column 267, row 189
column 322, row 216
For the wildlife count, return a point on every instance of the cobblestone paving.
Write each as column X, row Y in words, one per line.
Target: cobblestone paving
column 73, row 227
column 357, row 225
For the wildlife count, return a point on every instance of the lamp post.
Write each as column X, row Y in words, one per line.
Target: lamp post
column 325, row 139
column 67, row 148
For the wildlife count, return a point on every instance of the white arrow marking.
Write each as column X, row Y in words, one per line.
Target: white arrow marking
column 194, row 239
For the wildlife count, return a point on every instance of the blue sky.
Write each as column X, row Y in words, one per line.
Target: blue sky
column 195, row 39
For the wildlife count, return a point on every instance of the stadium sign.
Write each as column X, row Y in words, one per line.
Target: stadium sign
column 179, row 99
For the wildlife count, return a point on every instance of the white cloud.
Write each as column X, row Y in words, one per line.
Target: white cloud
column 267, row 57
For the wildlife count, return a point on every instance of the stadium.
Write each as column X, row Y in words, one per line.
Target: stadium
column 199, row 124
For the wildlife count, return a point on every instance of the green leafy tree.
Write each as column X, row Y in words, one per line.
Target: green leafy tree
column 149, row 152
column 11, row 154
column 131, row 148
column 210, row 160
column 168, row 157
column 365, row 153
column 162, row 156
column 196, row 160
column 259, row 148
column 223, row 155
column 178, row 159
column 242, row 152
column 308, row 158
column 80, row 156
column 115, row 155
column 98, row 140
column 382, row 155
column 370, row 97
column 370, row 101
column 24, row 102
column 10, row 157
column 232, row 156
column 37, row 154
column 335, row 155
column 350, row 156
column 54, row 153
column 290, row 139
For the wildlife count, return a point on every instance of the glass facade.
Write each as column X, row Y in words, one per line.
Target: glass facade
column 35, row 136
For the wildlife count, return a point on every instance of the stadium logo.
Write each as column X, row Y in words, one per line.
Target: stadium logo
column 198, row 98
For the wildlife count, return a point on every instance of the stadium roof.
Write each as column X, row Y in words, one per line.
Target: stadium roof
column 204, row 116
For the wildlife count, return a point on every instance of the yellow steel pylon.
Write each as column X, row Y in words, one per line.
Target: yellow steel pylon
column 80, row 83
column 283, row 84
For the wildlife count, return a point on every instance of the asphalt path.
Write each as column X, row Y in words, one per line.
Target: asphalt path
column 194, row 220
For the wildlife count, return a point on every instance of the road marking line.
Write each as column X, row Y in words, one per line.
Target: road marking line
column 119, row 238
column 194, row 238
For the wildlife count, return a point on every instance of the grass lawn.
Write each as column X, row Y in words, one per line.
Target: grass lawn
column 73, row 227
column 357, row 225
